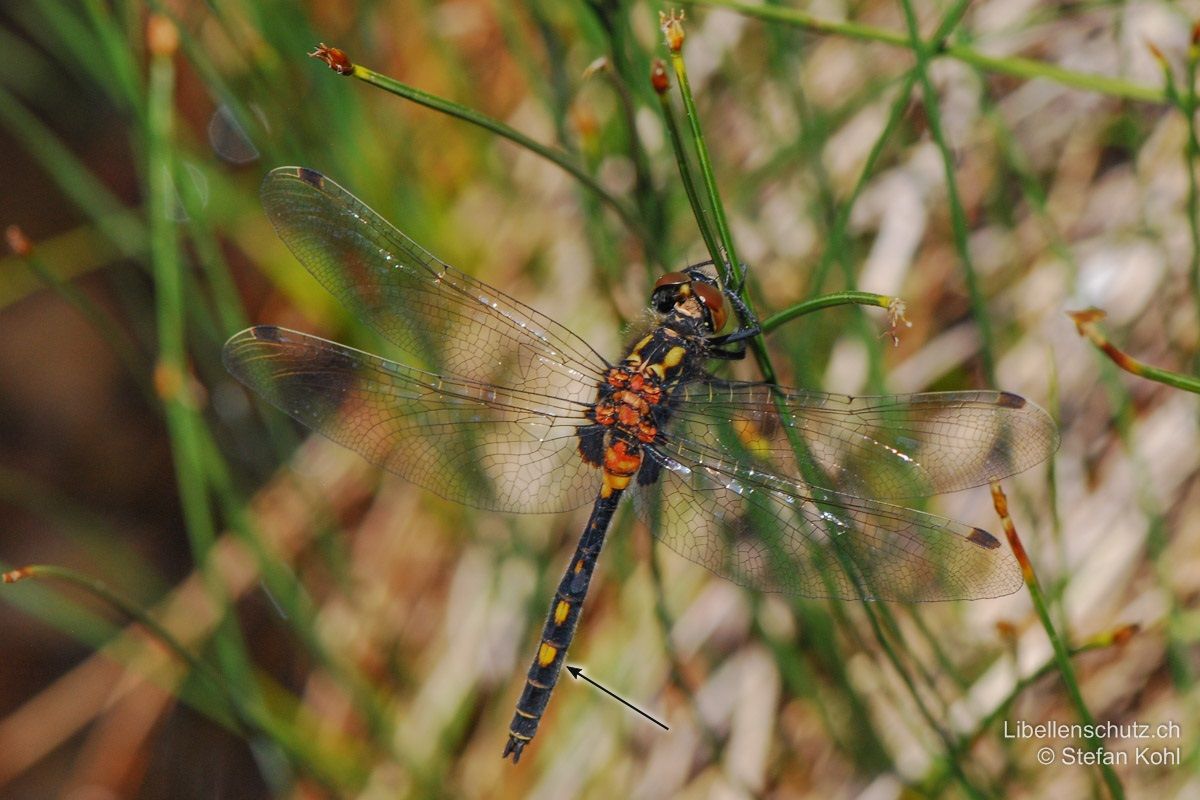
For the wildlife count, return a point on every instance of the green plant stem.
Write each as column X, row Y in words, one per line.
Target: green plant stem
column 827, row 301
column 286, row 590
column 232, row 714
column 934, row 780
column 105, row 326
column 1086, row 324
column 689, row 181
column 172, row 378
column 727, row 259
column 1189, row 106
column 953, row 757
column 1062, row 654
column 1005, row 65
column 958, row 216
column 124, row 230
column 674, row 666
column 500, row 129
column 1062, row 657
column 649, row 200
column 229, row 716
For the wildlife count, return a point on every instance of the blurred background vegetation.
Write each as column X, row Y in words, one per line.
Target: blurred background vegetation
column 351, row 635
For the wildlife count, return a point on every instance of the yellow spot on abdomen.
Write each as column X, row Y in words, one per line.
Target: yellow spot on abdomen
column 613, row 483
column 560, row 612
column 546, row 654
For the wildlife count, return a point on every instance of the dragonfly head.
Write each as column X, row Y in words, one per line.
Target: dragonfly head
column 694, row 294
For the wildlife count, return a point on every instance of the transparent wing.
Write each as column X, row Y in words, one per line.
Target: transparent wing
column 446, row 321
column 892, row 447
column 775, row 535
column 505, row 449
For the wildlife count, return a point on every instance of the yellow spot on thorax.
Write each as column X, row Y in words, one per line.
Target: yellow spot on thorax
column 674, row 357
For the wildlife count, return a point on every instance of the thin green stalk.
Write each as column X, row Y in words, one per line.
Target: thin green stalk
column 649, row 200
column 229, row 715
column 171, row 374
column 953, row 758
column 80, row 186
column 286, row 589
column 1062, row 654
column 659, row 78
column 1113, row 638
column 1189, row 106
column 119, row 68
column 171, row 370
column 1085, row 323
column 674, row 665
column 105, row 326
column 1005, row 65
column 837, row 244
column 629, row 63
column 958, row 216
column 487, row 123
column 727, row 258
column 892, row 304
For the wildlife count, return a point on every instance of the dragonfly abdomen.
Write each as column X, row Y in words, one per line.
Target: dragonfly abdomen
column 559, row 629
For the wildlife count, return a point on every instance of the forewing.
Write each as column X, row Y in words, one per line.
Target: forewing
column 780, row 536
column 505, row 449
column 892, row 447
column 448, row 322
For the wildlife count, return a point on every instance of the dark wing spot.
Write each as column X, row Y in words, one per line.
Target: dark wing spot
column 310, row 176
column 1010, row 400
column 984, row 539
column 267, row 333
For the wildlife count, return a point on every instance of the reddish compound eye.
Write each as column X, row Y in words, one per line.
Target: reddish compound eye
column 671, row 279
column 714, row 301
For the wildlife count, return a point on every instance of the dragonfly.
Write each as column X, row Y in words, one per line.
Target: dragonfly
column 505, row 409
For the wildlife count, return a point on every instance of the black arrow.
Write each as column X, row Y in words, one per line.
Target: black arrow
column 577, row 672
